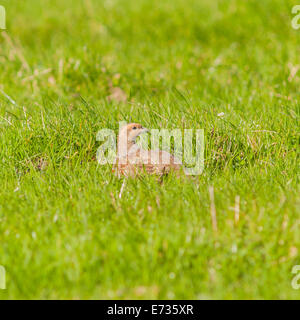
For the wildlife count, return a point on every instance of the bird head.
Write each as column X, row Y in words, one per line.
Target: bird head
column 132, row 130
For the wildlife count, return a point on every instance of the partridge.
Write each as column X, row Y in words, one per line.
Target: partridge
column 132, row 160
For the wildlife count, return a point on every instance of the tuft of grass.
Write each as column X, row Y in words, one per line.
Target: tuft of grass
column 74, row 68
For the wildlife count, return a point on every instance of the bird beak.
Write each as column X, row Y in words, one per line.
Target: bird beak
column 142, row 131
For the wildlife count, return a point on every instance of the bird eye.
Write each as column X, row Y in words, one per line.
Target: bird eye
column 134, row 128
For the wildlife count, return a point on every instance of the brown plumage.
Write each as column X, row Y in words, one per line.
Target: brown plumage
column 133, row 160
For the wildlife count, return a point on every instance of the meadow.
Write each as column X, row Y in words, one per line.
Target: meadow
column 69, row 69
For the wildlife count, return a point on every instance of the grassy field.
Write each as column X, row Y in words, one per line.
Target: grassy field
column 70, row 68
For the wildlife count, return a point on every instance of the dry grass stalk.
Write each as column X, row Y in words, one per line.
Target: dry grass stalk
column 213, row 209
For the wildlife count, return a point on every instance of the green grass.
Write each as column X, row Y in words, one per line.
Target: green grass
column 65, row 233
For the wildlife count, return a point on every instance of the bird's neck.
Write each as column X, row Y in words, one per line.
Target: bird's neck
column 125, row 146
